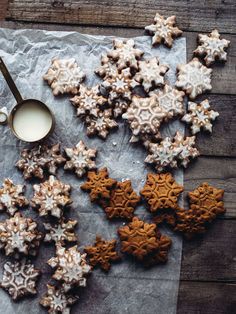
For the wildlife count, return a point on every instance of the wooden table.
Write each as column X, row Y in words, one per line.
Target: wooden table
column 208, row 272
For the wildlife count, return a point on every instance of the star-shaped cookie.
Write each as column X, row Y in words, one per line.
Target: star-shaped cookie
column 200, row 116
column 212, row 47
column 163, row 30
column 194, row 78
column 161, row 191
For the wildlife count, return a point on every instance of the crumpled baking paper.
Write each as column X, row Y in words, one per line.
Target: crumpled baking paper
column 127, row 288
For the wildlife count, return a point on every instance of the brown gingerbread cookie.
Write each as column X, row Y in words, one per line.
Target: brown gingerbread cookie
column 102, row 253
column 122, row 201
column 98, row 184
column 207, row 197
column 190, row 222
column 138, row 238
column 205, row 205
column 161, row 191
column 160, row 255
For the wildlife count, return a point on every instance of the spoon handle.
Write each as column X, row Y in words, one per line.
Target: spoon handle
column 10, row 82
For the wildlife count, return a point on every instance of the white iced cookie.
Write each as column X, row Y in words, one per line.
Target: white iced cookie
column 212, row 47
column 64, row 76
column 12, row 197
column 50, row 197
column 19, row 236
column 151, row 73
column 162, row 155
column 81, row 159
column 88, row 101
column 125, row 54
column 102, row 124
column 120, row 85
column 56, row 300
column 19, row 279
column 71, row 267
column 163, row 30
column 200, row 116
column 171, row 151
column 144, row 116
column 186, row 148
column 107, row 68
column 194, row 78
column 171, row 100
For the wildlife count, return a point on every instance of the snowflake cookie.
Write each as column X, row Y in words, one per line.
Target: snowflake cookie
column 170, row 100
column 208, row 198
column 19, row 279
column 164, row 30
column 194, row 78
column 125, row 54
column 120, row 85
column 88, row 101
column 102, row 253
column 102, row 124
column 170, row 151
column 150, row 73
column 34, row 162
column 190, row 222
column 108, row 67
column 50, row 197
column 138, row 238
column 122, row 201
column 31, row 163
column 200, row 116
column 64, row 76
column 71, row 267
column 185, row 147
column 80, row 159
column 98, row 184
column 212, row 47
column 144, row 116
column 60, row 232
column 57, row 301
column 19, row 235
column 162, row 155
column 161, row 191
column 11, row 197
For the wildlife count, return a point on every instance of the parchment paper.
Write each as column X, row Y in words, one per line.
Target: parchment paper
column 127, row 288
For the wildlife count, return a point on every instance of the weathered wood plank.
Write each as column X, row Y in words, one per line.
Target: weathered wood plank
column 223, row 79
column 211, row 257
column 3, row 9
column 220, row 172
column 206, row 298
column 192, row 15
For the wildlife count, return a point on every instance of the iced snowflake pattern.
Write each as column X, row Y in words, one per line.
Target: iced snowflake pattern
column 19, row 279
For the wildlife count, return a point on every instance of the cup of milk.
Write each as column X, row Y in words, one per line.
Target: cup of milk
column 30, row 120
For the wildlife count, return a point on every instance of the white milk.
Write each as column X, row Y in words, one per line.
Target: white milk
column 32, row 122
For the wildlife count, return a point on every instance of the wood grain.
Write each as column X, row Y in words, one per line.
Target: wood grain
column 206, row 298
column 220, row 172
column 192, row 15
column 223, row 78
column 211, row 257
column 3, row 9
